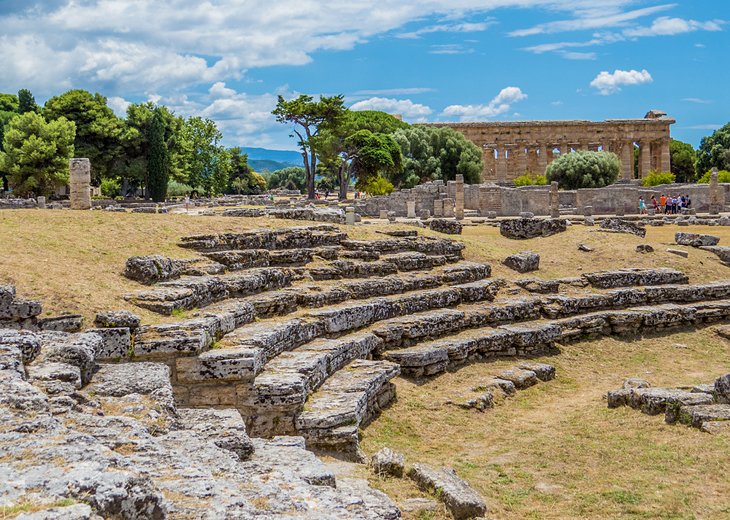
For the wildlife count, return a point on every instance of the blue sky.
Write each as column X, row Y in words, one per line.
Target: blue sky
column 466, row 60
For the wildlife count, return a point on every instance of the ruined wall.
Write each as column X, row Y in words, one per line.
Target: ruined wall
column 512, row 148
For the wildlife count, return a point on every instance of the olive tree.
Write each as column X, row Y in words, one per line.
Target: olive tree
column 584, row 170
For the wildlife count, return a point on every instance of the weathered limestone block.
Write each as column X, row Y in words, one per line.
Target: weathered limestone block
column 543, row 371
column 523, row 262
column 182, row 338
column 722, row 388
column 412, row 261
column 653, row 401
column 116, row 343
column 635, row 277
column 623, row 226
column 225, row 428
column 63, row 323
column 678, row 252
column 221, row 365
column 644, row 248
column 75, row 349
column 55, row 378
column 16, row 309
column 524, row 228
column 27, row 343
column 695, row 239
column 114, row 319
column 387, row 462
column 481, row 402
column 154, row 268
column 460, row 499
column 79, row 181
column 449, row 227
column 698, row 415
column 723, row 252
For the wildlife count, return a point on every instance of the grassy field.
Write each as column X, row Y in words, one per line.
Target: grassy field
column 553, row 451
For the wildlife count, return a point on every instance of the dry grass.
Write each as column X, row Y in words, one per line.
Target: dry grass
column 553, row 451
column 556, row 450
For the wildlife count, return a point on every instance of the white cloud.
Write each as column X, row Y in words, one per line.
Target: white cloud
column 570, row 55
column 498, row 105
column 699, row 101
column 610, row 83
column 450, row 48
column 465, row 27
column 666, row 26
column 130, row 48
column 594, row 20
column 711, row 126
column 119, row 105
column 405, row 107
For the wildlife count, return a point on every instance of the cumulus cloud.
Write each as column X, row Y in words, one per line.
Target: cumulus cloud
column 405, row 107
column 465, row 27
column 498, row 105
column 119, row 105
column 610, row 83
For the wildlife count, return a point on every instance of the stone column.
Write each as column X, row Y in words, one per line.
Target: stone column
column 79, row 180
column 554, row 200
column 717, row 198
column 411, row 208
column 501, row 164
column 542, row 159
column 350, row 215
column 627, row 160
column 490, row 170
column 564, row 148
column 665, row 160
column 521, row 164
column 644, row 158
column 459, row 198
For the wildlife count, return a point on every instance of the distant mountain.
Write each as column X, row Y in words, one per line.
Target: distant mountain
column 288, row 157
column 267, row 165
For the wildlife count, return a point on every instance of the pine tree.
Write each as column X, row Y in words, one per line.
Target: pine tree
column 158, row 160
column 26, row 101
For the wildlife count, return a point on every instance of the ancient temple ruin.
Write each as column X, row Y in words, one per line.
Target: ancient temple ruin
column 510, row 149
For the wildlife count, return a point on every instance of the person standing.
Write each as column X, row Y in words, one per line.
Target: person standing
column 663, row 203
column 642, row 206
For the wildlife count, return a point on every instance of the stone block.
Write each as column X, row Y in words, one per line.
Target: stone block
column 460, row 499
column 695, row 239
column 387, row 462
column 524, row 228
column 523, row 262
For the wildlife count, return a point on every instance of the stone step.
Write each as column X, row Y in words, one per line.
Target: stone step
column 286, row 238
column 344, row 403
column 459, row 498
column 279, row 392
column 239, row 259
column 421, row 244
column 198, row 291
column 537, row 337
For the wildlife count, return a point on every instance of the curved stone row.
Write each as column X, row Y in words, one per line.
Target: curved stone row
column 703, row 406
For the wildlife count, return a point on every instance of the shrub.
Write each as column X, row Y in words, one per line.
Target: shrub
column 584, row 169
column 657, row 178
column 530, row 179
column 110, row 188
column 722, row 176
column 379, row 186
column 178, row 189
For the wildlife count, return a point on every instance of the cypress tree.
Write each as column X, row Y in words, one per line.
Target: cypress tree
column 26, row 102
column 157, row 160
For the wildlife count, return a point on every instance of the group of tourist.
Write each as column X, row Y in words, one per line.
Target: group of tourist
column 667, row 204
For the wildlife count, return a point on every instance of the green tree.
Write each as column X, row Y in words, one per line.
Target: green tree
column 36, row 153
column 714, row 151
column 584, row 169
column 309, row 117
column 291, row 178
column 26, row 102
column 683, row 158
column 100, row 134
column 158, row 159
column 331, row 147
column 432, row 153
column 8, row 103
column 371, row 154
column 201, row 153
column 137, row 143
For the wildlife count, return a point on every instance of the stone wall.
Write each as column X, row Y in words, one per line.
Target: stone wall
column 504, row 201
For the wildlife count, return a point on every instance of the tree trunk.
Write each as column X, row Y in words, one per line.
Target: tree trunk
column 342, row 179
column 312, row 172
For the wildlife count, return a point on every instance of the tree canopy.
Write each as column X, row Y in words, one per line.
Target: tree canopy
column 308, row 118
column 683, row 158
column 584, row 169
column 714, row 151
column 36, row 153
